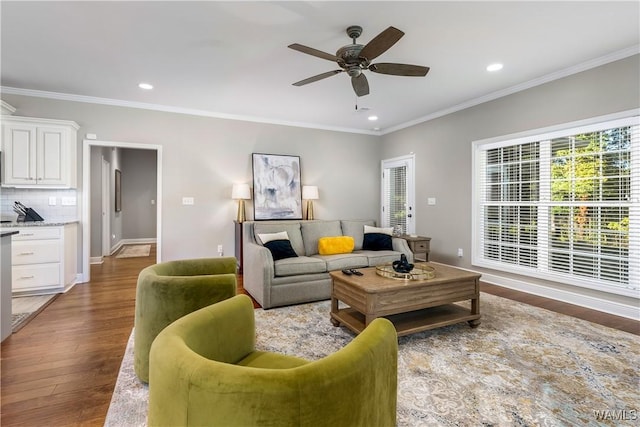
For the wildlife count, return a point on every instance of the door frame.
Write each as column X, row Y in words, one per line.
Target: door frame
column 106, row 207
column 87, row 144
column 409, row 161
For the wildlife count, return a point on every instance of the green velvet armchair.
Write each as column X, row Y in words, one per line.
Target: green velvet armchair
column 169, row 290
column 205, row 371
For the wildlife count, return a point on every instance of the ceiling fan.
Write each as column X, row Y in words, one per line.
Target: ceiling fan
column 355, row 58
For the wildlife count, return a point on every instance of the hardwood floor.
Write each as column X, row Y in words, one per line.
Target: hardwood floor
column 61, row 368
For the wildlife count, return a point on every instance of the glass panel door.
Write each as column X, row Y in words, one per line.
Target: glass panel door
column 398, row 194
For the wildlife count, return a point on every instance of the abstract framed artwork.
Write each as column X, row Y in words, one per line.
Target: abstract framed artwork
column 277, row 191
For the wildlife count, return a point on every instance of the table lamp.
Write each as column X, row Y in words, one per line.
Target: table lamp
column 241, row 192
column 309, row 193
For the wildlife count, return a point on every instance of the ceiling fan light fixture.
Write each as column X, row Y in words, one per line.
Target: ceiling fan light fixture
column 145, row 86
column 373, row 118
column 494, row 67
column 355, row 58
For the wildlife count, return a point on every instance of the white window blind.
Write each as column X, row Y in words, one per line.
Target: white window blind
column 562, row 206
column 395, row 200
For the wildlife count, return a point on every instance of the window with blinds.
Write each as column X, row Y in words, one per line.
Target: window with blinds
column 562, row 206
column 395, row 198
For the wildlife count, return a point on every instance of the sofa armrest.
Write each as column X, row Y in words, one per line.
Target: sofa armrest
column 401, row 245
column 258, row 271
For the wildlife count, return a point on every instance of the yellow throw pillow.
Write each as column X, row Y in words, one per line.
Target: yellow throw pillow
column 335, row 245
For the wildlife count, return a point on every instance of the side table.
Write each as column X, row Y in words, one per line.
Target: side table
column 419, row 245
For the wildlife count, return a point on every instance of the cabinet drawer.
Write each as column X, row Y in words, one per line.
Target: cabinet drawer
column 35, row 252
column 25, row 277
column 37, row 233
column 421, row 246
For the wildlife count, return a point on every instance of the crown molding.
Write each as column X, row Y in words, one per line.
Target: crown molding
column 584, row 66
column 172, row 109
column 7, row 109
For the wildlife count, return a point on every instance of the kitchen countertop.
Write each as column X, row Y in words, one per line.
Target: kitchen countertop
column 15, row 224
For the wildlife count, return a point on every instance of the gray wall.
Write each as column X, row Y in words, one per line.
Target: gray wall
column 139, row 194
column 443, row 148
column 203, row 157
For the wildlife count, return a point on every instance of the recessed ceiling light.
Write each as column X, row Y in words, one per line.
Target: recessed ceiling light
column 495, row 67
column 373, row 118
column 145, row 86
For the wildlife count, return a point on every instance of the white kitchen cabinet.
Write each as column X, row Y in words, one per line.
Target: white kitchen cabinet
column 44, row 259
column 39, row 153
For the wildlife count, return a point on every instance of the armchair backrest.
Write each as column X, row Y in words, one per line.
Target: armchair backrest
column 355, row 386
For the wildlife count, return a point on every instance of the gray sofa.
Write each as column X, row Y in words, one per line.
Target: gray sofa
column 306, row 277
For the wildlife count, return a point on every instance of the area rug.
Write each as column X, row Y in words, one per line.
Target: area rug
column 522, row 366
column 134, row 251
column 25, row 309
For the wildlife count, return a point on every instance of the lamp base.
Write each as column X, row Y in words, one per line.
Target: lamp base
column 309, row 209
column 241, row 215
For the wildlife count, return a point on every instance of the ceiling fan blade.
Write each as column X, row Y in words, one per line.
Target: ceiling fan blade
column 360, row 85
column 313, row 52
column 318, row 77
column 399, row 69
column 381, row 43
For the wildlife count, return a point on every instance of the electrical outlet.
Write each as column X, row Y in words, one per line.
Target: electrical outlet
column 460, row 253
column 220, row 248
column 68, row 201
column 431, row 201
column 52, row 201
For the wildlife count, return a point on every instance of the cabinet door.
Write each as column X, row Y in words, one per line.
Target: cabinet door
column 19, row 146
column 52, row 156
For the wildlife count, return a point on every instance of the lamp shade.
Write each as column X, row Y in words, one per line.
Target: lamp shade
column 241, row 192
column 309, row 192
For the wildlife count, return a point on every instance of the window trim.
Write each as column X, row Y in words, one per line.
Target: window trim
column 624, row 118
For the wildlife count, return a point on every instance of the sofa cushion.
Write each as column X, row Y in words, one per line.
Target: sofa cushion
column 383, row 230
column 380, row 257
column 355, row 229
column 313, row 230
column 292, row 229
column 341, row 261
column 377, row 242
column 267, row 237
column 299, row 265
column 280, row 249
column 335, row 245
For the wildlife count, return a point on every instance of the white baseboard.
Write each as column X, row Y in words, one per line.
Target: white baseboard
column 96, row 260
column 611, row 307
column 618, row 309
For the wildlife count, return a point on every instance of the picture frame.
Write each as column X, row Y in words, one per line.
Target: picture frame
column 118, row 191
column 277, row 189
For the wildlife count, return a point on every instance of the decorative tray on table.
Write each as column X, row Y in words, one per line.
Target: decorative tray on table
column 419, row 272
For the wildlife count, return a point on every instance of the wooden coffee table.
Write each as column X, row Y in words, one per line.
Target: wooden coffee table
column 412, row 305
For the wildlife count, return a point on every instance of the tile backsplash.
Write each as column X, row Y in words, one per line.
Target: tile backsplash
column 39, row 200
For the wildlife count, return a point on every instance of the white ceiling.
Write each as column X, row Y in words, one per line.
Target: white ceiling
column 230, row 59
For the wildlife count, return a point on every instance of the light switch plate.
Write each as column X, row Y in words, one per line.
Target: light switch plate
column 431, row 201
column 188, row 201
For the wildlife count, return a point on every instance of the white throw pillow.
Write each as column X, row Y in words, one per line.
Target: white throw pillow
column 267, row 237
column 382, row 230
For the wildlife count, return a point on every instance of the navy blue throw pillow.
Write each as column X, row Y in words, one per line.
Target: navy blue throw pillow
column 377, row 242
column 280, row 249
